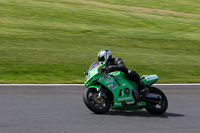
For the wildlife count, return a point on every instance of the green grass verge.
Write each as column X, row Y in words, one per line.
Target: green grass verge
column 52, row 41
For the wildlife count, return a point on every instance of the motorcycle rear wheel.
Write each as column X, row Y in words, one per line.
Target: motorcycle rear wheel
column 91, row 100
column 157, row 108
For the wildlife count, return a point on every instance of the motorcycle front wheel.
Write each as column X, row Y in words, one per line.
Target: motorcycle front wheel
column 94, row 103
column 160, row 107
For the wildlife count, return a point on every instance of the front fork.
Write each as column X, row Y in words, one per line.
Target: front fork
column 100, row 92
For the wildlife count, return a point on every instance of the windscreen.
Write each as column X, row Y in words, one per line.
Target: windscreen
column 96, row 63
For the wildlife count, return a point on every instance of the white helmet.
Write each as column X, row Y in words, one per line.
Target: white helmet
column 104, row 56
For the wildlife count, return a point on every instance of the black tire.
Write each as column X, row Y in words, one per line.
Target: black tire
column 98, row 106
column 152, row 107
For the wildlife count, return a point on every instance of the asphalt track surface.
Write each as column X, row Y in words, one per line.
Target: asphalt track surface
column 60, row 109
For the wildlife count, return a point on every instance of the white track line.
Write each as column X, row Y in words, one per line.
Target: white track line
column 188, row 84
column 185, row 84
column 41, row 84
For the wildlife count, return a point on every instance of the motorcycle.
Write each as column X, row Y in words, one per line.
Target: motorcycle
column 114, row 91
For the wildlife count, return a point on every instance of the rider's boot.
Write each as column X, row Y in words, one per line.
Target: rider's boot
column 143, row 89
column 136, row 94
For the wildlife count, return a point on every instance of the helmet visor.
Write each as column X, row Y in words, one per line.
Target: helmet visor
column 101, row 56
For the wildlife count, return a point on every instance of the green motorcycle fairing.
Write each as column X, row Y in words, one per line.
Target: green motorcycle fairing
column 117, row 83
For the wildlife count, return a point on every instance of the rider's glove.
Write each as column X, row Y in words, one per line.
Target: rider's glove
column 111, row 67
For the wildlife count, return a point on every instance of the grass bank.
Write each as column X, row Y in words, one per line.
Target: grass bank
column 54, row 41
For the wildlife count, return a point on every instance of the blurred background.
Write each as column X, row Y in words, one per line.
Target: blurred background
column 53, row 41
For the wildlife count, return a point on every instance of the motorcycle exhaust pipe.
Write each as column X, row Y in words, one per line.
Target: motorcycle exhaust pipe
column 153, row 97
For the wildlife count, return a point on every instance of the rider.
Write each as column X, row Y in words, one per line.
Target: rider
column 116, row 64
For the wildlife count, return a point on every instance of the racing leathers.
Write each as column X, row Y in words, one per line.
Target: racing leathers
column 116, row 64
